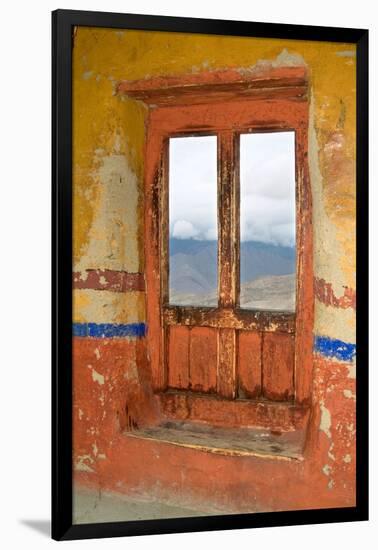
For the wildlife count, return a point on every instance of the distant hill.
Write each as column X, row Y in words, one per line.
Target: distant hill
column 274, row 292
column 193, row 269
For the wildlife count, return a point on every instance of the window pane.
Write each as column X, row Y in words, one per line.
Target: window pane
column 193, row 221
column 267, row 221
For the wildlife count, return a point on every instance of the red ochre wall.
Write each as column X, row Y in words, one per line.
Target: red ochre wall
column 112, row 390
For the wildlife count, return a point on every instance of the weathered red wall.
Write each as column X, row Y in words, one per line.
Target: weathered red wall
column 108, row 460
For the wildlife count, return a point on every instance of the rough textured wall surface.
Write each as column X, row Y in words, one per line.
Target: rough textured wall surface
column 110, row 358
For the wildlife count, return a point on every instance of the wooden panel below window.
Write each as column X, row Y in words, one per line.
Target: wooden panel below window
column 186, row 406
column 178, row 357
column 226, row 363
column 249, row 364
column 278, row 366
column 203, row 359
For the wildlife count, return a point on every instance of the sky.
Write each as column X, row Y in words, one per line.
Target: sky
column 267, row 188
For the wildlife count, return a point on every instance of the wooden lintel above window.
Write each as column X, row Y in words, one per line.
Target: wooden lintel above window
column 215, row 86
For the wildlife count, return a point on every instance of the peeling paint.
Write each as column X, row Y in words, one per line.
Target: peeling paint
column 325, row 420
column 113, row 236
column 349, row 395
column 108, row 307
column 346, row 53
column 109, row 330
column 94, row 449
column 97, row 377
column 326, row 295
column 288, row 59
column 332, row 348
column 326, row 243
column 352, row 371
column 82, row 466
column 330, row 453
column 335, row 323
column 87, row 74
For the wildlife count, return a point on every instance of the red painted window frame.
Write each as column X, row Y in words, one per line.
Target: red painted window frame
column 225, row 103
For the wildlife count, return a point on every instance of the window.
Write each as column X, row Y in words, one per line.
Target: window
column 193, row 230
column 229, row 244
column 267, row 221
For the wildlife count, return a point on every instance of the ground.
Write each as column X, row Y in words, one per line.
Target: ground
column 92, row 506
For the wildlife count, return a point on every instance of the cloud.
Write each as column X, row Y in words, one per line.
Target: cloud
column 267, row 188
column 183, row 229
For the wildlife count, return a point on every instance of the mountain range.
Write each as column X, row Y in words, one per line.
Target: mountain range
column 267, row 274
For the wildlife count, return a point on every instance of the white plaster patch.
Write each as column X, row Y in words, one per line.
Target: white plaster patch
column 284, row 59
column 336, row 323
column 94, row 449
column 81, row 414
column 347, row 458
column 113, row 236
column 97, row 353
column 287, row 59
column 83, row 276
column 346, row 53
column 117, row 143
column 132, row 371
column 349, row 395
column 326, row 243
column 87, row 75
column 352, row 371
column 92, row 306
column 81, row 466
column 330, row 454
column 97, row 377
column 91, row 430
column 325, row 420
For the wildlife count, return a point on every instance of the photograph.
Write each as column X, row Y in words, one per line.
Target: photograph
column 210, row 183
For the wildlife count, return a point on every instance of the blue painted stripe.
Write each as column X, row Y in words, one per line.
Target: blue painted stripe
column 324, row 345
column 333, row 348
column 109, row 330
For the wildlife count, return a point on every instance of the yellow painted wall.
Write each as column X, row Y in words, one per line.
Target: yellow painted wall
column 109, row 135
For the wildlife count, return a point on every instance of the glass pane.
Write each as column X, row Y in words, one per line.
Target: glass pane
column 193, row 221
column 267, row 221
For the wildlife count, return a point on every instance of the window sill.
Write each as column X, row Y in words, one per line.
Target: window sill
column 246, row 442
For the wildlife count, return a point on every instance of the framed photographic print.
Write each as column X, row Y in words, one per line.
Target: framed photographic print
column 210, row 274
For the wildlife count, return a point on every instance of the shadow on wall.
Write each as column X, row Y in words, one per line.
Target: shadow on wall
column 42, row 526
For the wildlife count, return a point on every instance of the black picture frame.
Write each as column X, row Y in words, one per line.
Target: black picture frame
column 63, row 22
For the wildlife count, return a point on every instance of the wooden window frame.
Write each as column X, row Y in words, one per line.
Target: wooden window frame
column 225, row 104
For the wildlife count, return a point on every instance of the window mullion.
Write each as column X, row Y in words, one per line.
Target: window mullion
column 228, row 221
